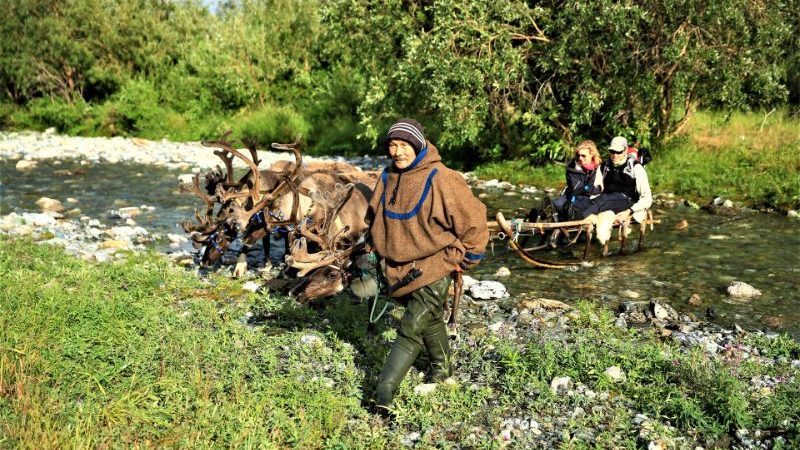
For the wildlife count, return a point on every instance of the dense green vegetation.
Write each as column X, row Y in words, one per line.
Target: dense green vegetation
column 142, row 354
column 492, row 79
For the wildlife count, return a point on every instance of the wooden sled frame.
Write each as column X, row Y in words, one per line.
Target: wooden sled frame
column 570, row 230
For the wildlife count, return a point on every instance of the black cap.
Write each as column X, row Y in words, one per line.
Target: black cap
column 408, row 130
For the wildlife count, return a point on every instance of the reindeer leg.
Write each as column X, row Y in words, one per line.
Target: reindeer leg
column 241, row 265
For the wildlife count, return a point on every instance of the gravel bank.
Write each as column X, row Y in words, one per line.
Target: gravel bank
column 33, row 146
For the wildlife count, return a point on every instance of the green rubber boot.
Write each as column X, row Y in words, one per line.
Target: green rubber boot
column 401, row 357
column 437, row 343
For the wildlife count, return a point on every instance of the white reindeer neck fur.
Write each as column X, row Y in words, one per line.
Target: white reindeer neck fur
column 365, row 286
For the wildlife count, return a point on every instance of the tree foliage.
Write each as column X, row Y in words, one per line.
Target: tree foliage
column 489, row 78
column 515, row 78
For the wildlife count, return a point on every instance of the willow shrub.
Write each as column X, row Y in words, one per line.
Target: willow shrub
column 270, row 123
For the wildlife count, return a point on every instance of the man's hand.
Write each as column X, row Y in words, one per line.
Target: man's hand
column 623, row 216
column 466, row 265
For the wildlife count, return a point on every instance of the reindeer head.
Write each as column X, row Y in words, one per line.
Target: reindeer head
column 259, row 200
column 239, row 201
column 322, row 282
column 214, row 244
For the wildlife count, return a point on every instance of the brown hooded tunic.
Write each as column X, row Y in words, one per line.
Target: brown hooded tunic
column 435, row 223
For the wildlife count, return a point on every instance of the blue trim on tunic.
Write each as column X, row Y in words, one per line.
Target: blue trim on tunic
column 415, row 210
column 473, row 256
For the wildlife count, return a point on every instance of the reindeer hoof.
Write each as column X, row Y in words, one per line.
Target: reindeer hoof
column 240, row 269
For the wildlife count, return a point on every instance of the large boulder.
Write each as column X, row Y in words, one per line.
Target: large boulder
column 741, row 290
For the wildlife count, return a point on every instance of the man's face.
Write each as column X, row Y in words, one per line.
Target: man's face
column 617, row 158
column 402, row 153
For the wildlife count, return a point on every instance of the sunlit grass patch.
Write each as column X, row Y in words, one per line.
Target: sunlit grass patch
column 520, row 171
column 129, row 354
column 747, row 157
column 761, row 131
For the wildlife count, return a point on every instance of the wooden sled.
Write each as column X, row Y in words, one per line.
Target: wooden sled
column 557, row 235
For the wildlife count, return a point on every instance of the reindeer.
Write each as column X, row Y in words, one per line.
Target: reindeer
column 253, row 206
column 216, row 233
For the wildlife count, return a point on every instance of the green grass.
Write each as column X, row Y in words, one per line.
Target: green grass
column 520, row 172
column 141, row 354
column 752, row 158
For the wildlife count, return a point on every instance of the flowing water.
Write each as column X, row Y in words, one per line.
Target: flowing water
column 760, row 249
column 98, row 189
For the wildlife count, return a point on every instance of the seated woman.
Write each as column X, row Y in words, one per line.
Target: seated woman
column 584, row 184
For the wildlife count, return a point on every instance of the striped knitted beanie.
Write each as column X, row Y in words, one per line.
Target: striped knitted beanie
column 410, row 131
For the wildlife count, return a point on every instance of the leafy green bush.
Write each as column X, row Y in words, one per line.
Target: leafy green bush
column 135, row 110
column 338, row 136
column 138, row 109
column 44, row 112
column 271, row 124
column 7, row 111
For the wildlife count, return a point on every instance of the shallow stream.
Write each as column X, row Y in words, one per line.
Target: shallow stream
column 760, row 249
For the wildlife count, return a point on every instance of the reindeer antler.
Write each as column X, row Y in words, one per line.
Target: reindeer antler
column 210, row 200
column 251, row 145
column 227, row 159
column 331, row 202
column 258, row 201
column 261, row 203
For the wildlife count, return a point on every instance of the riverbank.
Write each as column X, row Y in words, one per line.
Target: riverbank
column 749, row 162
column 137, row 350
column 142, row 352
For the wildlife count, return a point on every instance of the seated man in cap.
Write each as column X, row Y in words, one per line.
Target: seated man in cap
column 626, row 189
column 425, row 223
